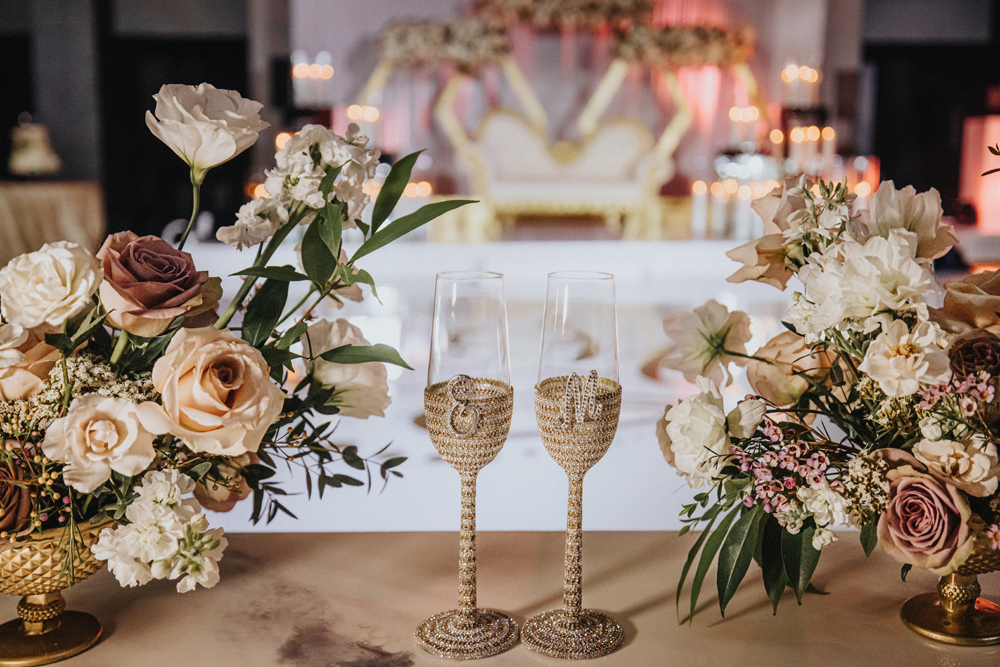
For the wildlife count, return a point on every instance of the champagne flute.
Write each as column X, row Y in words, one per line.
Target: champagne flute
column 468, row 404
column 577, row 404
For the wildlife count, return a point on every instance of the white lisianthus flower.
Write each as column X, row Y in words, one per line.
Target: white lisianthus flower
column 693, row 435
column 703, row 341
column 902, row 361
column 744, row 419
column 98, row 434
column 203, row 125
column 12, row 337
column 971, row 466
column 890, row 209
column 361, row 389
column 828, row 507
column 49, row 286
column 822, row 537
column 256, row 222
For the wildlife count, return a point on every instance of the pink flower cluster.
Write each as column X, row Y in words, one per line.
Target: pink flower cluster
column 994, row 536
column 974, row 389
column 777, row 475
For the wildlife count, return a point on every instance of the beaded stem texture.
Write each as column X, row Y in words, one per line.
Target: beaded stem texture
column 468, row 420
column 577, row 421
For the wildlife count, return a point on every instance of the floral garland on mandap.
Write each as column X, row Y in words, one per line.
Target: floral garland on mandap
column 904, row 446
column 552, row 14
column 671, row 47
column 124, row 395
column 467, row 44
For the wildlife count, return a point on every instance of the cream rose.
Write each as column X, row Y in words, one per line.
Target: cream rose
column 216, row 392
column 49, row 286
column 693, row 435
column 27, row 377
column 203, row 125
column 970, row 303
column 971, row 466
column 361, row 389
column 98, row 434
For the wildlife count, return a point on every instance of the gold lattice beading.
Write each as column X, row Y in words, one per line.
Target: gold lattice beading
column 956, row 614
column 36, row 569
column 577, row 420
column 468, row 420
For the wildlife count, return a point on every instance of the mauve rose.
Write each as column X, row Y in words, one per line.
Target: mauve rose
column 926, row 522
column 15, row 501
column 974, row 351
column 147, row 283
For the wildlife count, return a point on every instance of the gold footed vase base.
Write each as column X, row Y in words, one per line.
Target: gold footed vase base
column 955, row 614
column 459, row 635
column 45, row 633
column 558, row 634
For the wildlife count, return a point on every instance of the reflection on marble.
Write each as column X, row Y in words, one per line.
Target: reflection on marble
column 631, row 489
column 354, row 600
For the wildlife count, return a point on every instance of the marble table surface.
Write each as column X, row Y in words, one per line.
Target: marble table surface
column 354, row 599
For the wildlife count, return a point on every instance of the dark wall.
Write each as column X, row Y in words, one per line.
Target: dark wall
column 15, row 73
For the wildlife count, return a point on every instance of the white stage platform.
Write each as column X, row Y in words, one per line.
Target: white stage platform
column 632, row 488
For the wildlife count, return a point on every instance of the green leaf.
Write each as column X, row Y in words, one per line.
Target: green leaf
column 317, row 258
column 264, row 311
column 277, row 358
column 60, row 341
column 709, row 518
column 199, row 471
column 393, row 462
column 736, row 554
column 772, row 567
column 392, row 189
column 800, row 558
column 348, row 480
column 360, row 354
column 286, row 273
column 708, row 555
column 407, row 224
column 905, row 571
column 331, row 228
column 363, row 276
column 292, row 335
column 352, row 459
column 869, row 535
column 326, row 184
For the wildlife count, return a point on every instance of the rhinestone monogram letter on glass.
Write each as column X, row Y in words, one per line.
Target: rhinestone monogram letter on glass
column 577, row 421
column 468, row 420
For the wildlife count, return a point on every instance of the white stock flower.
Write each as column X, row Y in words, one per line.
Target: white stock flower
column 50, row 285
column 197, row 557
column 793, row 518
column 971, row 466
column 98, row 434
column 203, row 125
column 828, row 507
column 693, row 435
column 256, row 222
column 153, row 534
column 167, row 488
column 703, row 339
column 822, row 537
column 361, row 389
column 744, row 419
column 12, row 337
column 126, row 569
column 890, row 209
column 902, row 361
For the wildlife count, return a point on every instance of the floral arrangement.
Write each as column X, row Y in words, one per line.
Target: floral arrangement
column 126, row 398
column 467, row 44
column 551, row 14
column 671, row 47
column 875, row 409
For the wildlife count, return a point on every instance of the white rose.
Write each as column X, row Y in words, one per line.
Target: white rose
column 930, row 428
column 203, row 125
column 746, row 417
column 50, row 285
column 693, row 434
column 98, row 435
column 902, row 361
column 971, row 466
column 361, row 389
column 12, row 337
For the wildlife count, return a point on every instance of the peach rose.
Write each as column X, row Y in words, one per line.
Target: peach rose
column 789, row 354
column 216, row 392
column 970, row 303
column 28, row 376
column 764, row 258
column 147, row 283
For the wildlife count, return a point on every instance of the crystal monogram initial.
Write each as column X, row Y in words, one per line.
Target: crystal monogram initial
column 579, row 401
column 460, row 390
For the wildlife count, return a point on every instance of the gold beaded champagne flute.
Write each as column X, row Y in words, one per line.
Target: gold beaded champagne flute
column 577, row 404
column 468, row 405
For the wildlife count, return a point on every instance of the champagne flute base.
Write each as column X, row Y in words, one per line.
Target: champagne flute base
column 453, row 635
column 557, row 634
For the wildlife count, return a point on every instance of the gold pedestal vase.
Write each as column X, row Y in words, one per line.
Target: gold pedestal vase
column 956, row 614
column 37, row 569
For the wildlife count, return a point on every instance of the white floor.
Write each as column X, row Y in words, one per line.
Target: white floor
column 632, row 488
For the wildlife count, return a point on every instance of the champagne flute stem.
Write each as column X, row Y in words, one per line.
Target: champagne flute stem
column 467, row 552
column 573, row 586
